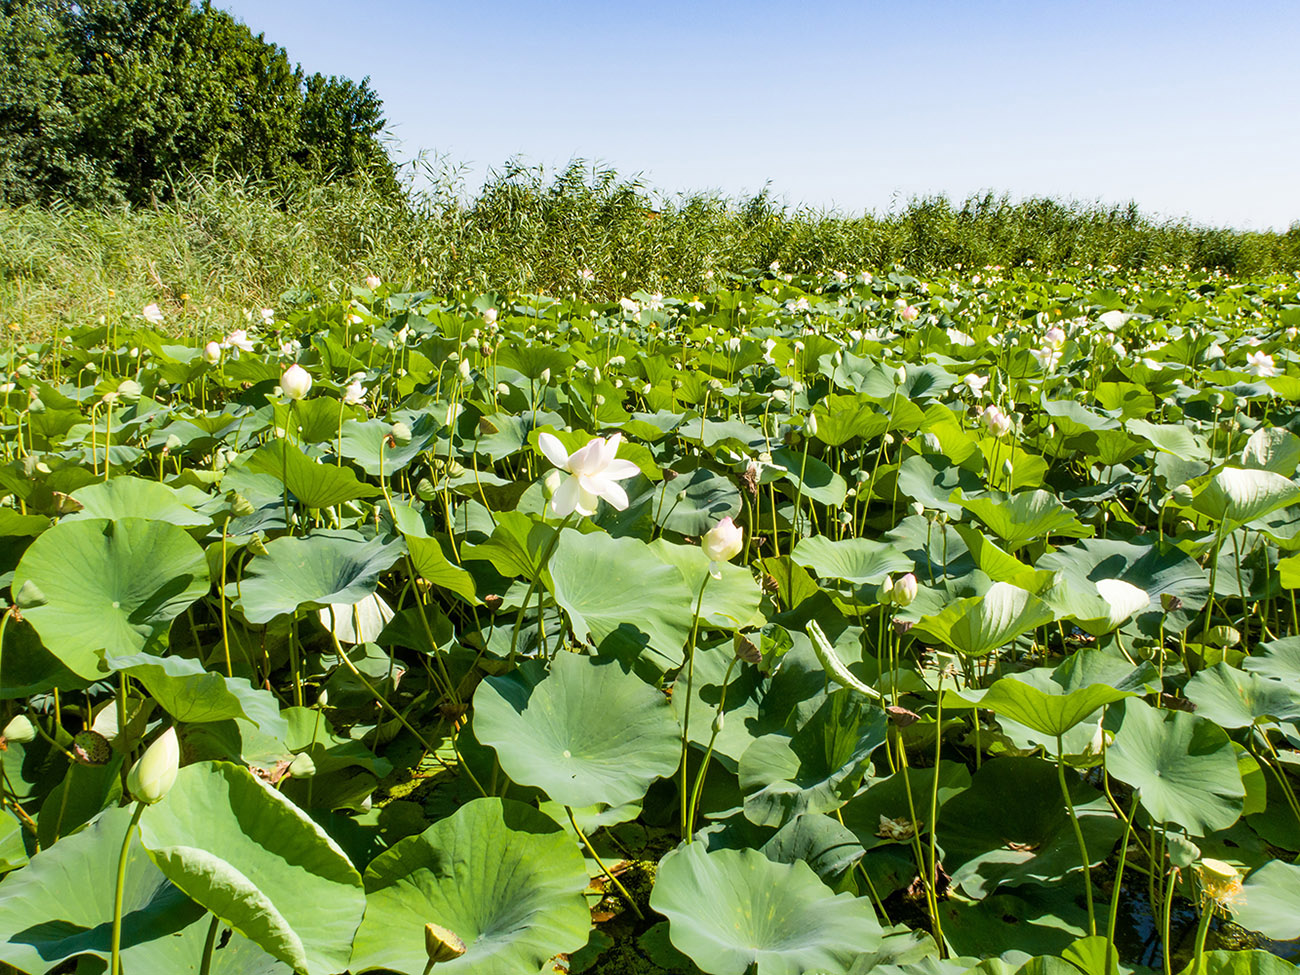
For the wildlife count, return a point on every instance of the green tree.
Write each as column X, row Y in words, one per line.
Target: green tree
column 106, row 99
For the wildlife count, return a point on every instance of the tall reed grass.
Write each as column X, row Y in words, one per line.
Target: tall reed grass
column 221, row 246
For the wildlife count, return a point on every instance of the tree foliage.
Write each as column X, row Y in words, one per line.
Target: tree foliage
column 104, row 100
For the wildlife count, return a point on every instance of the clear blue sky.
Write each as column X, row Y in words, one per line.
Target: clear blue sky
column 1190, row 108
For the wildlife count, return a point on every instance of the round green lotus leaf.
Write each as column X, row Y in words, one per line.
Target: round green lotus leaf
column 61, row 905
column 1233, row 698
column 989, row 841
column 617, row 593
column 1267, row 901
column 587, row 732
column 327, row 568
column 499, row 875
column 135, row 497
column 1183, row 766
column 730, row 909
column 258, row 862
column 103, row 585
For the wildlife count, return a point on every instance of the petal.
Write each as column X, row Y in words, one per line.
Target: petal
column 566, row 497
column 586, row 459
column 620, row 469
column 550, row 445
column 608, row 490
column 609, row 450
column 586, row 501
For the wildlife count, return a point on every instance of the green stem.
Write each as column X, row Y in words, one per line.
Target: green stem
column 708, row 754
column 205, row 968
column 1202, row 929
column 532, row 585
column 1078, row 835
column 115, row 957
column 686, row 707
column 601, row 863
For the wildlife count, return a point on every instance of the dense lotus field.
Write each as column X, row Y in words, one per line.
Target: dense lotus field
column 812, row 624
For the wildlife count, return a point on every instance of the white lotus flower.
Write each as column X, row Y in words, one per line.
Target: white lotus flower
column 629, row 306
column 997, row 422
column 594, row 469
column 974, row 384
column 1054, row 337
column 586, row 275
column 373, row 281
column 1047, row 357
column 268, row 316
column 152, row 314
column 296, row 382
column 490, row 316
column 1260, row 364
column 355, row 393
column 723, row 541
column 238, row 339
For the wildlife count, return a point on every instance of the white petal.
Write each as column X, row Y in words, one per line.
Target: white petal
column 609, row 450
column 586, row 501
column 586, row 459
column 620, row 469
column 550, row 445
column 607, row 489
column 566, row 497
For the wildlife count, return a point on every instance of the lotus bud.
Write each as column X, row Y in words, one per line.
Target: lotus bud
column 302, row 766
column 212, row 353
column 20, row 730
column 904, row 590
column 918, row 509
column 129, row 390
column 400, row 434
column 810, row 425
column 240, row 506
column 490, row 316
column 296, row 382
column 441, row 945
column 323, row 699
column 719, row 722
column 545, row 377
column 152, row 777
column 372, row 281
column 1007, row 467
column 723, row 541
column 900, row 375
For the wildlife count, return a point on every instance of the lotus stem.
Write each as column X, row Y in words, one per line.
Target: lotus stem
column 686, row 708
column 205, row 967
column 532, row 585
column 601, row 863
column 115, row 957
column 1078, row 834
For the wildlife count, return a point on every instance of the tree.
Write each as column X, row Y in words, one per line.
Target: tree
column 108, row 98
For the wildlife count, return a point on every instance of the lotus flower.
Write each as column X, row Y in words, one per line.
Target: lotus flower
column 373, row 281
column 354, row 394
column 594, row 469
column 1054, row 337
column 997, row 422
column 154, row 774
column 1260, row 364
column 904, row 590
column 975, row 384
column 152, row 314
column 296, row 382
column 723, row 541
column 212, row 353
column 238, row 339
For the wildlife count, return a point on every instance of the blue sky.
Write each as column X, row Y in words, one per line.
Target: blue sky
column 1190, row 108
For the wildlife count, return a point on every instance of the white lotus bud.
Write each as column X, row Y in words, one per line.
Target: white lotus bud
column 212, row 353
column 296, row 382
column 152, row 777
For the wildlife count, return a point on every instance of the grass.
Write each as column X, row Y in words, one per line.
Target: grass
column 221, row 247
